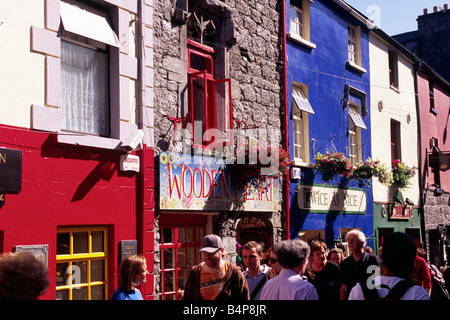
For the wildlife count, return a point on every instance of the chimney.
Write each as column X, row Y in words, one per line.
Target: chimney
column 445, row 7
column 435, row 9
column 425, row 11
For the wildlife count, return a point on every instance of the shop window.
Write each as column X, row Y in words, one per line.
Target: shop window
column 210, row 102
column 179, row 250
column 86, row 36
column 81, row 264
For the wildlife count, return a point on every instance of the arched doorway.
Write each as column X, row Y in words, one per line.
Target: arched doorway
column 254, row 228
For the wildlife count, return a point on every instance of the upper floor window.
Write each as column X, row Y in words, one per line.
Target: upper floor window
column 356, row 101
column 299, row 22
column 210, row 102
column 86, row 38
column 393, row 70
column 300, row 116
column 431, row 91
column 396, row 151
column 354, row 47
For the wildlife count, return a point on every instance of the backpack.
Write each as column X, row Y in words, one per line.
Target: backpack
column 395, row 293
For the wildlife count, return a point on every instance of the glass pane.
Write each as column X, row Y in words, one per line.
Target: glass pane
column 62, row 295
column 181, row 257
column 79, row 293
column 97, row 241
column 63, row 243
column 182, row 276
column 169, row 281
column 168, row 258
column 80, row 242
column 181, row 235
column 62, row 274
column 79, row 272
column 167, row 236
column 200, row 234
column 189, row 235
column 98, row 292
column 190, row 257
column 200, row 63
column 97, row 270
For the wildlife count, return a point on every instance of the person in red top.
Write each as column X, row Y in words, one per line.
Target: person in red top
column 422, row 275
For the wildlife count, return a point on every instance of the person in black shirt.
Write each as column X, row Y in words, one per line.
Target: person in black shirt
column 359, row 266
column 323, row 274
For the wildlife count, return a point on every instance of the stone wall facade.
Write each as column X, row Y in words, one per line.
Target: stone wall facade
column 247, row 39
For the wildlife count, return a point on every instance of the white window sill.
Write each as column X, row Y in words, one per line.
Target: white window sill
column 295, row 37
column 298, row 163
column 356, row 67
column 395, row 88
column 80, row 139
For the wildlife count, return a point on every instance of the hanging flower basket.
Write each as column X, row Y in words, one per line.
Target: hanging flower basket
column 332, row 164
column 253, row 164
column 402, row 174
column 372, row 169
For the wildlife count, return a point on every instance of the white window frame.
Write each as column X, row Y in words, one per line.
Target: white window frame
column 354, row 134
column 299, row 31
column 301, row 108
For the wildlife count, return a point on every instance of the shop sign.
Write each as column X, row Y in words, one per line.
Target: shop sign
column 39, row 251
column 203, row 183
column 324, row 199
column 441, row 161
column 10, row 170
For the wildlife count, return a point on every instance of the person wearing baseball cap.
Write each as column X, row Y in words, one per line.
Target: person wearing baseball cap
column 215, row 278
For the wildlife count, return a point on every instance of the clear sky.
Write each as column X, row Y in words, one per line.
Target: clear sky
column 395, row 16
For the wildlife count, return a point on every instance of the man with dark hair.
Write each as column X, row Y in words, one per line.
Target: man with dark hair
column 398, row 256
column 289, row 285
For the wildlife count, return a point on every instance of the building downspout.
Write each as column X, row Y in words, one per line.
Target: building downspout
column 419, row 154
column 285, row 114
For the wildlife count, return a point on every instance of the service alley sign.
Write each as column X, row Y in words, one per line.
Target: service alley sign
column 323, row 199
column 201, row 183
column 10, row 170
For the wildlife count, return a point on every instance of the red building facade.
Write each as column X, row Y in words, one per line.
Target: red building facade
column 77, row 177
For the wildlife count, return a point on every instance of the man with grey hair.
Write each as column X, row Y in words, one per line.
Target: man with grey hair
column 289, row 285
column 359, row 266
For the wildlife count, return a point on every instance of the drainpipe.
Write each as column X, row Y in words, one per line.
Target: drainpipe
column 286, row 123
column 417, row 66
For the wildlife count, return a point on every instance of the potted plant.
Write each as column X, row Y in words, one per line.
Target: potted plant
column 372, row 168
column 402, row 174
column 331, row 164
column 252, row 164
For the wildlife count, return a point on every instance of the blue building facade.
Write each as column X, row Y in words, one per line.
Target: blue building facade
column 328, row 87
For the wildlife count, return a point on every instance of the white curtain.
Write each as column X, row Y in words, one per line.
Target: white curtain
column 84, row 89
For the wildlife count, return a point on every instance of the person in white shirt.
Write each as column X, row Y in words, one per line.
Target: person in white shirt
column 289, row 285
column 398, row 257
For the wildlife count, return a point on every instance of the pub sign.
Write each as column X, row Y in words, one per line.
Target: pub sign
column 10, row 170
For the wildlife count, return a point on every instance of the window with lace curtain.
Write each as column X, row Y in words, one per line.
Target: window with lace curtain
column 86, row 36
column 84, row 89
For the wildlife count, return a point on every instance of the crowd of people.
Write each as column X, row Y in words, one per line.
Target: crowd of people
column 297, row 270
